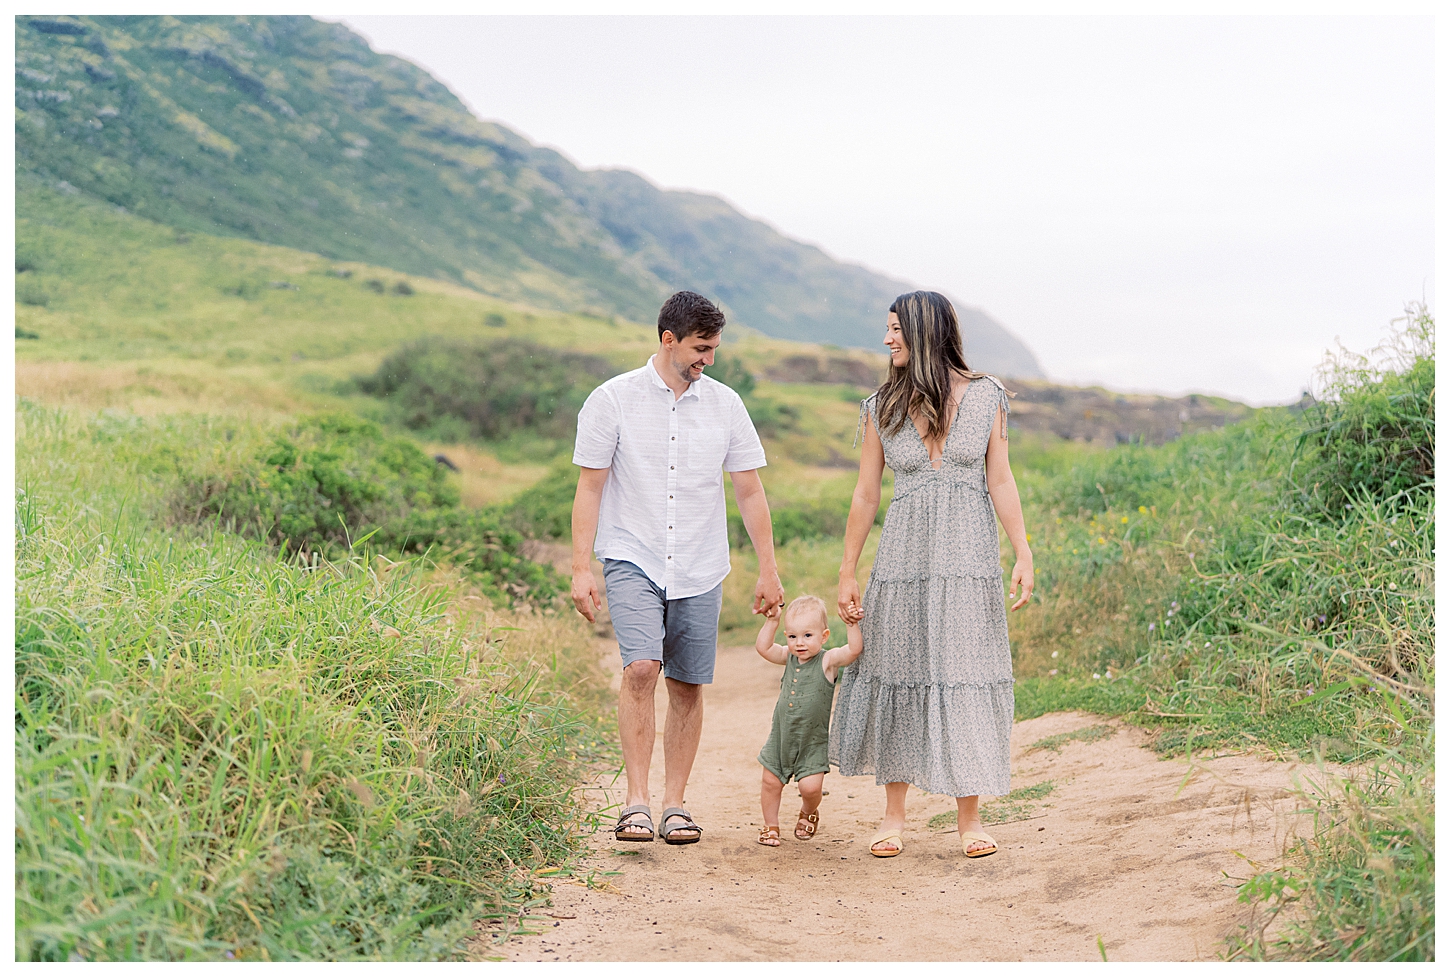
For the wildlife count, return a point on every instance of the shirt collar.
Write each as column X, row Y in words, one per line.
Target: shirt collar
column 658, row 381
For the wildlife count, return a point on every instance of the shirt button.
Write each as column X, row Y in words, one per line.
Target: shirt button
column 672, row 437
column 669, row 558
column 672, row 468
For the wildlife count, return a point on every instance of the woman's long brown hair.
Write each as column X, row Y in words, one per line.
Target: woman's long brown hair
column 923, row 387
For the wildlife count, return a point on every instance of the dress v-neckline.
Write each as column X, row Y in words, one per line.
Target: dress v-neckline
column 952, row 426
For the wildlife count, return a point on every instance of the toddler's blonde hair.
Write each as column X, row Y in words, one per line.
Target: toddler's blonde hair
column 811, row 602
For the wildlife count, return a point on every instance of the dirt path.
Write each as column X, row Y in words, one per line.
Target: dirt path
column 1127, row 847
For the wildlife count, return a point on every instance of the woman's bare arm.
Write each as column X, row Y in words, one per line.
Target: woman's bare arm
column 865, row 503
column 1003, row 489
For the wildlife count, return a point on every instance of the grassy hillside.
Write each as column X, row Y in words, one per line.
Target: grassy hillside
column 292, row 131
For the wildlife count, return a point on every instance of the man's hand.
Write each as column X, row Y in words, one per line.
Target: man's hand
column 585, row 591
column 768, row 592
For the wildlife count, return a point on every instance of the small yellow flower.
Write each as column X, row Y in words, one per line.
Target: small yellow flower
column 1124, row 520
column 1101, row 540
column 1143, row 509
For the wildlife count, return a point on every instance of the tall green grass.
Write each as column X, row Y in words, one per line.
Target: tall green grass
column 1271, row 587
column 223, row 754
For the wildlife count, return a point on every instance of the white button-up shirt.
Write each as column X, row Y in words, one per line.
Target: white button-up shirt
column 663, row 507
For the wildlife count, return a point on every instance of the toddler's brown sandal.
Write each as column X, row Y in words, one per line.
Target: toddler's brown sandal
column 805, row 825
column 769, row 836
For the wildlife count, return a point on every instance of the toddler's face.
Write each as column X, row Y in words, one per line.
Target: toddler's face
column 804, row 635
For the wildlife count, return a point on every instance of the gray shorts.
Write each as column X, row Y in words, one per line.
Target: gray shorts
column 680, row 633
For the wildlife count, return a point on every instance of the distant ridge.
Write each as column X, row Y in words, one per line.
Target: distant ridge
column 293, row 131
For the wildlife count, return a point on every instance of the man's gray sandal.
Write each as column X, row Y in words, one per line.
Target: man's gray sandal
column 681, row 814
column 625, row 822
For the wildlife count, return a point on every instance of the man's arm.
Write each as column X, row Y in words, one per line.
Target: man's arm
column 583, row 524
column 755, row 512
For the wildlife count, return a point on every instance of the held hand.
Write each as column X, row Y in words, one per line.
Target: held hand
column 772, row 613
column 1022, row 579
column 848, row 601
column 585, row 591
column 768, row 593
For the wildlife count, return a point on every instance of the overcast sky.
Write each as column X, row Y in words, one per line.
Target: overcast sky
column 1151, row 203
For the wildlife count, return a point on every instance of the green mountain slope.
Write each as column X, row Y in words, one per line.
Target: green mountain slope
column 292, row 131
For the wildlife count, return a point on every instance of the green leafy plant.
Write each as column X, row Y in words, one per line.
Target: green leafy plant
column 333, row 482
column 488, row 390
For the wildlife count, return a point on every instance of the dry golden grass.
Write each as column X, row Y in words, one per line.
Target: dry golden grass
column 482, row 478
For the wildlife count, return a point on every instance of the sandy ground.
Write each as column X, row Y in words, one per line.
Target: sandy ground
column 1135, row 850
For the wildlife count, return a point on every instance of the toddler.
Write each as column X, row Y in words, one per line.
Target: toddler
column 800, row 728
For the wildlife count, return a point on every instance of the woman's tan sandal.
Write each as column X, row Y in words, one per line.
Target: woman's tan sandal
column 893, row 835
column 769, row 836
column 693, row 830
column 805, row 825
column 970, row 836
column 634, row 824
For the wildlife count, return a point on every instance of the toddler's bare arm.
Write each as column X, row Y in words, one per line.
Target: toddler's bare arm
column 848, row 652
column 765, row 645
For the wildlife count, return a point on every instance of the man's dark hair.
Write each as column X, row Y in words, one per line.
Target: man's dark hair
column 690, row 314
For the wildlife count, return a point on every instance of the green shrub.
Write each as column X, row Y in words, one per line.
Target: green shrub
column 771, row 418
column 331, row 482
column 733, row 373
column 31, row 293
column 1373, row 434
column 817, row 519
column 545, row 509
column 487, row 389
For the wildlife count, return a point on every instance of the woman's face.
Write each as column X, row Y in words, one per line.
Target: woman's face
column 895, row 341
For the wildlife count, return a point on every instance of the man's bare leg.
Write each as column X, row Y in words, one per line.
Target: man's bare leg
column 683, row 722
column 637, row 731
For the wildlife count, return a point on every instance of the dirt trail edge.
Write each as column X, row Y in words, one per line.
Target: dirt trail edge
column 1138, row 851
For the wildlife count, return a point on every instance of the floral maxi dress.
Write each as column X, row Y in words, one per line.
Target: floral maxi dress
column 929, row 701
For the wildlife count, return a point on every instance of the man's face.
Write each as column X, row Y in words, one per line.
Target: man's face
column 688, row 357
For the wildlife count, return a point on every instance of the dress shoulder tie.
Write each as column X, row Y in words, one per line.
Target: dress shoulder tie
column 1002, row 401
column 861, row 420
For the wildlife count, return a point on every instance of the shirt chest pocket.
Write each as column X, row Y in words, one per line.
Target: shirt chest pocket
column 705, row 449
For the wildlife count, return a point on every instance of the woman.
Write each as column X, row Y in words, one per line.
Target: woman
column 929, row 702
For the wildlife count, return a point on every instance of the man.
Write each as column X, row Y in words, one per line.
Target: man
column 650, row 447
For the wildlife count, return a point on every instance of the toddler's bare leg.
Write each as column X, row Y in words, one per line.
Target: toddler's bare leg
column 811, row 792
column 810, row 788
column 770, row 788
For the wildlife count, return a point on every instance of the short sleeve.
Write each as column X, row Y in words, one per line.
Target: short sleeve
column 598, row 431
column 745, row 451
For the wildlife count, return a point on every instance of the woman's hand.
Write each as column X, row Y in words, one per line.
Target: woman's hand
column 848, row 600
column 1022, row 579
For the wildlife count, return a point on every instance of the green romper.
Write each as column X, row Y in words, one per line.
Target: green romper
column 801, row 727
